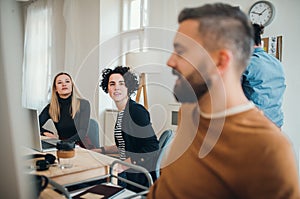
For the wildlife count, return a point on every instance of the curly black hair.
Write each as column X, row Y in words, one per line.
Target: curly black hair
column 131, row 80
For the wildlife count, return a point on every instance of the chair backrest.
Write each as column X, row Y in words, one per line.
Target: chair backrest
column 93, row 132
column 164, row 140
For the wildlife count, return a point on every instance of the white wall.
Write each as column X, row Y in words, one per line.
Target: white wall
column 59, row 37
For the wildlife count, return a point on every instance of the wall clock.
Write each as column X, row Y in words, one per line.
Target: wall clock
column 262, row 13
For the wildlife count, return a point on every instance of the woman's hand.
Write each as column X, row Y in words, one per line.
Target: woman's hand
column 121, row 168
column 107, row 150
column 50, row 135
column 97, row 150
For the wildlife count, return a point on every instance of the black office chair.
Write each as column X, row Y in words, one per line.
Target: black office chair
column 93, row 132
column 164, row 140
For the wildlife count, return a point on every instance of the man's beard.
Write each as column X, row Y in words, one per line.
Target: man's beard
column 191, row 89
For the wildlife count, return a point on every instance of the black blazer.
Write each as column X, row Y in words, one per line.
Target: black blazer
column 141, row 143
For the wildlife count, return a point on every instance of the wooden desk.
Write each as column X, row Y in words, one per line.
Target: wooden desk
column 50, row 193
column 87, row 166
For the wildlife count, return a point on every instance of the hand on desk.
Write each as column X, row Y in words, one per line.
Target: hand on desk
column 50, row 135
column 107, row 150
column 120, row 168
column 97, row 150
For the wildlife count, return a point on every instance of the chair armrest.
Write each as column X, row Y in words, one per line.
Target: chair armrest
column 134, row 167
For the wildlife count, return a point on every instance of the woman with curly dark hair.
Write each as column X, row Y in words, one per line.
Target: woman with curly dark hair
column 135, row 139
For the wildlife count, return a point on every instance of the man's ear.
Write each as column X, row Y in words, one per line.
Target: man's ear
column 223, row 60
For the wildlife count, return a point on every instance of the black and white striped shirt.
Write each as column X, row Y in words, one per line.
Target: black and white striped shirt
column 119, row 137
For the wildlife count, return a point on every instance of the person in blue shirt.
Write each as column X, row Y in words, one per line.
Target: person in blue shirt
column 263, row 81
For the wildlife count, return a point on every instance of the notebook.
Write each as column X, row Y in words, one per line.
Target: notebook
column 100, row 191
column 40, row 144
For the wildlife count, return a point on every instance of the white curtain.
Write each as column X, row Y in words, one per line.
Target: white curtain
column 37, row 54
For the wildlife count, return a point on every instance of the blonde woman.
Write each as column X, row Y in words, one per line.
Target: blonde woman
column 69, row 113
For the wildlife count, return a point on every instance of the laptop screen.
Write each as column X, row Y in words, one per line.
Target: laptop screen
column 36, row 137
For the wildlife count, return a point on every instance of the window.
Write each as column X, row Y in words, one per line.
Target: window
column 135, row 17
column 135, row 14
column 37, row 55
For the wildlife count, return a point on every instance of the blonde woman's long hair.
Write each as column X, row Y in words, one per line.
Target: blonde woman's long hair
column 54, row 109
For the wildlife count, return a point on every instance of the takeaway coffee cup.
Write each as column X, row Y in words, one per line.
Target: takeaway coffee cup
column 65, row 152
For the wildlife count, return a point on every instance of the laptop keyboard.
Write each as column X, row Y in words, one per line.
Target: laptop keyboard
column 47, row 145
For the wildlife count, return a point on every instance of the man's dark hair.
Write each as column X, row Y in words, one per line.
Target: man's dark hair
column 222, row 25
column 258, row 30
column 130, row 78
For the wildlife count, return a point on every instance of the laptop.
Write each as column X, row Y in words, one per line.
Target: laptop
column 39, row 143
